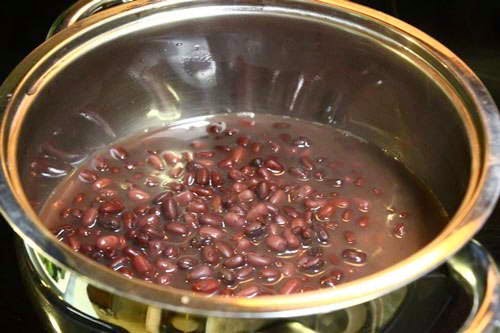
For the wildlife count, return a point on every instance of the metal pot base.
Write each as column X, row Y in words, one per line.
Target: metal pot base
column 456, row 297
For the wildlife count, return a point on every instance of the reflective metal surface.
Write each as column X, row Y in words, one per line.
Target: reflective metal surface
column 147, row 63
column 461, row 296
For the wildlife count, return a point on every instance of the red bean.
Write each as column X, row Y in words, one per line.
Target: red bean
column 281, row 125
column 363, row 221
column 184, row 198
column 249, row 171
column 238, row 187
column 224, row 249
column 279, row 197
column 216, row 179
column 204, row 154
column 186, row 263
column 262, row 190
column 230, row 132
column 76, row 213
column 107, row 193
column 246, row 195
column 142, row 265
column 353, row 256
column 399, row 230
column 274, row 166
column 107, row 243
column 74, row 243
column 310, row 264
column 148, row 220
column 247, row 122
column 248, row 291
column 234, row 261
column 243, row 244
column 319, row 176
column 171, row 252
column 113, row 206
column 164, row 279
column 210, row 219
column 270, row 275
column 363, row 206
column 156, row 162
column 292, row 241
column 202, row 191
column 280, row 219
column 273, row 229
column 258, row 260
column 169, row 208
column 257, row 211
column 227, row 276
column 290, row 211
column 264, row 173
column 197, row 144
column 101, row 164
column 209, row 254
column 301, row 192
column 298, row 173
column 347, row 215
column 138, row 195
column 322, row 235
column 171, row 158
column 87, row 176
column 314, row 204
column 202, row 176
column 207, row 286
column 302, row 142
column 244, row 273
column 212, row 232
column 237, row 154
column 331, row 280
column 349, row 237
column 255, row 229
column 341, row 203
column 119, row 262
column 325, row 212
column 291, row 286
column 225, row 163
column 276, row 243
column 223, row 148
column 234, row 220
column 235, row 174
column 216, row 204
column 132, row 252
column 118, row 153
column 307, row 163
column 199, row 272
column 256, row 147
column 285, row 137
column 298, row 224
column 101, row 183
column 288, row 269
column 243, row 141
column 176, row 228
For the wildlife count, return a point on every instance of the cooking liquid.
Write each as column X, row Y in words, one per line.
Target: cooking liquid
column 244, row 206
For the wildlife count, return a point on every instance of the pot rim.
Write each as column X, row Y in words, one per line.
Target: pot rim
column 465, row 89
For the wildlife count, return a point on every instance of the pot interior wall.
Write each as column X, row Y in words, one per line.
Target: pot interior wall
column 250, row 63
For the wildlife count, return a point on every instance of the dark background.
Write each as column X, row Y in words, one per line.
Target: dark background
column 470, row 28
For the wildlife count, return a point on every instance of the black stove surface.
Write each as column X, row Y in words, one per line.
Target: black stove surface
column 469, row 28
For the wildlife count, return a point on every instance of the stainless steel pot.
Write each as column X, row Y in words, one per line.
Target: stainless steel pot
column 146, row 63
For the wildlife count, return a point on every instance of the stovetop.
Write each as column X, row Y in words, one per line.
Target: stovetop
column 469, row 28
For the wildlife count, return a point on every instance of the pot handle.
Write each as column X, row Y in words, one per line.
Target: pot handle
column 81, row 10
